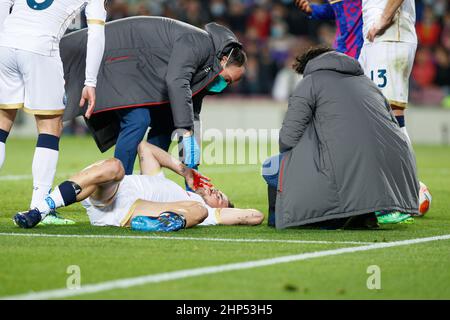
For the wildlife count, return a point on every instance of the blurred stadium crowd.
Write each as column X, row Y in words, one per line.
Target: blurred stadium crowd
column 275, row 31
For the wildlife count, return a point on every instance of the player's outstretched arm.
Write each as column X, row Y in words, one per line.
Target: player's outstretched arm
column 234, row 217
column 385, row 20
column 316, row 11
column 5, row 7
column 96, row 17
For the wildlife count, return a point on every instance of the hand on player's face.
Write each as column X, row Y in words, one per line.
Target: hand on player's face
column 196, row 180
column 304, row 6
column 214, row 198
column 88, row 95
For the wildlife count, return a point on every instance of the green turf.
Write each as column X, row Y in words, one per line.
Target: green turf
column 36, row 264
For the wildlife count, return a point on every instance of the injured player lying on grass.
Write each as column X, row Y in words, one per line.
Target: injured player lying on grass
column 146, row 202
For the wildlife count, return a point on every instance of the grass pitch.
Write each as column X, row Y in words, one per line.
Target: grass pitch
column 38, row 264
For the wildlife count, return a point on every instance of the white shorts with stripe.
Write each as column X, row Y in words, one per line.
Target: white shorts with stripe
column 31, row 81
column 389, row 65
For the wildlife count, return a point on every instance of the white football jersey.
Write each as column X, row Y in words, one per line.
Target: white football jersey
column 38, row 26
column 403, row 27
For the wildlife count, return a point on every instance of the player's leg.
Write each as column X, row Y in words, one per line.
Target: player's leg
column 99, row 181
column 401, row 66
column 43, row 78
column 389, row 65
column 270, row 173
column 11, row 95
column 170, row 216
column 134, row 124
column 147, row 161
column 46, row 156
column 7, row 118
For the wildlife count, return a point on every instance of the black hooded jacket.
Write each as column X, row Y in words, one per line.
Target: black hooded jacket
column 148, row 61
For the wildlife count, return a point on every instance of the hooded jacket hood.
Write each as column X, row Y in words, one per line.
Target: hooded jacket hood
column 334, row 61
column 222, row 37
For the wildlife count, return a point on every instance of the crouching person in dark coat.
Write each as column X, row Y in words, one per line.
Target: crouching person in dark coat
column 344, row 160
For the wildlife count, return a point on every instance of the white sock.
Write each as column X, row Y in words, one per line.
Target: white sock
column 53, row 201
column 44, row 169
column 2, row 153
column 406, row 134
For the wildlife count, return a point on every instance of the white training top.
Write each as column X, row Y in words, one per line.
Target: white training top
column 403, row 27
column 38, row 26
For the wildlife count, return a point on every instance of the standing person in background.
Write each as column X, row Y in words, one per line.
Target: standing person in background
column 32, row 77
column 387, row 56
column 349, row 22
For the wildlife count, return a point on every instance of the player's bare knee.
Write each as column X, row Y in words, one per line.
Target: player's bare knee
column 49, row 124
column 143, row 147
column 114, row 169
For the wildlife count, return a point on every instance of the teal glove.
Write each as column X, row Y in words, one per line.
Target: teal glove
column 191, row 151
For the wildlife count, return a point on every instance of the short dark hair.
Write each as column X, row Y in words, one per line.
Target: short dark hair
column 230, row 204
column 238, row 57
column 302, row 60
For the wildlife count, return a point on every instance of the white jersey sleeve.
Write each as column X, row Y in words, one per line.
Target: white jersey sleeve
column 5, row 7
column 96, row 17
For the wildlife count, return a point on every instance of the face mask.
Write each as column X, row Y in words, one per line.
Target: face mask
column 218, row 9
column 218, row 85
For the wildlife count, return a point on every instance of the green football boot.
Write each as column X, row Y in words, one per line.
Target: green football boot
column 410, row 220
column 392, row 217
column 54, row 219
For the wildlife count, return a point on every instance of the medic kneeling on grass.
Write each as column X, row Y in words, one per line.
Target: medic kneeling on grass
column 146, row 202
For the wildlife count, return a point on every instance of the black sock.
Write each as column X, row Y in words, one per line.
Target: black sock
column 401, row 121
column 3, row 135
column 69, row 191
column 272, row 194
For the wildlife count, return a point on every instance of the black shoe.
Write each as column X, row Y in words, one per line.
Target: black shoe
column 364, row 221
column 28, row 219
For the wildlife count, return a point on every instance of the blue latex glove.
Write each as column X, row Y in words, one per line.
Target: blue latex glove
column 191, row 151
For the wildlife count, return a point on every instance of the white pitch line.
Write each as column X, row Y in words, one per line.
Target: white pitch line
column 183, row 274
column 88, row 236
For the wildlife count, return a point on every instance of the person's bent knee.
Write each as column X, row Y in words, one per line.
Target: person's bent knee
column 142, row 147
column 114, row 169
column 270, row 170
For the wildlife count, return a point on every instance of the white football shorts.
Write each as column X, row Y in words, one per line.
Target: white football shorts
column 389, row 65
column 31, row 81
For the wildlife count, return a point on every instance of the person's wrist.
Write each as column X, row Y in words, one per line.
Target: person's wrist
column 385, row 20
column 184, row 170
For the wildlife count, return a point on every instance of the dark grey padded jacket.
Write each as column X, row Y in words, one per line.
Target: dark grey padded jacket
column 148, row 61
column 345, row 152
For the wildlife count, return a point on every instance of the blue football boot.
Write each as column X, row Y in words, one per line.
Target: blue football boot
column 166, row 222
column 28, row 219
